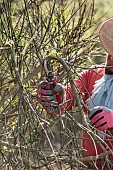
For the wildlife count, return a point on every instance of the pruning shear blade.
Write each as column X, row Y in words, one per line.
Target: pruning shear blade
column 48, row 71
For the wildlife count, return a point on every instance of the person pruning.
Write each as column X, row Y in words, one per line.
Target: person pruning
column 96, row 85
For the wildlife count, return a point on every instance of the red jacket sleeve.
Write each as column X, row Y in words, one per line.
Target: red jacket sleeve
column 85, row 84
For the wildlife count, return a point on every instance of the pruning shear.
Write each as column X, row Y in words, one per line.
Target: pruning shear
column 51, row 79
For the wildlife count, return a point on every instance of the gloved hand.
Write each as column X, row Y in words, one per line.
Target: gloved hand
column 51, row 95
column 101, row 117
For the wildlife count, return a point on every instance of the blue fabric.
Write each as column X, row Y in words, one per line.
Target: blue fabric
column 102, row 94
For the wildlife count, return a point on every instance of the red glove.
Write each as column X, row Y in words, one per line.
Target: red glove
column 51, row 95
column 101, row 117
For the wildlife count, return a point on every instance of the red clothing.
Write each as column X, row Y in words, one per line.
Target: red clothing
column 86, row 84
